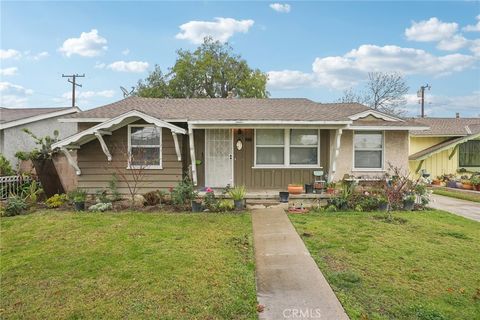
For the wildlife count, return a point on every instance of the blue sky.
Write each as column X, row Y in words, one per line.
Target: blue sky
column 310, row 49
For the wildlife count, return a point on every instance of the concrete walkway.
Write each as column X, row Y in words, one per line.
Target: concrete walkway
column 289, row 283
column 464, row 208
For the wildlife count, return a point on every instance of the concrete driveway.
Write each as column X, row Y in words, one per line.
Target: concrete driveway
column 464, row 208
column 289, row 283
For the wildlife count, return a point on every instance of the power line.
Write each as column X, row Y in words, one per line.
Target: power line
column 74, row 84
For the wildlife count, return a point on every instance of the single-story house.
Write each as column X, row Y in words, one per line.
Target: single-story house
column 259, row 143
column 449, row 145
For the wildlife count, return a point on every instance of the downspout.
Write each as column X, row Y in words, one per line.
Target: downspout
column 334, row 151
column 192, row 154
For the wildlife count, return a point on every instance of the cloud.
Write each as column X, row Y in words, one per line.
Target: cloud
column 473, row 28
column 9, row 54
column 90, row 94
column 13, row 95
column 130, row 66
column 340, row 72
column 89, row 44
column 126, row 52
column 221, row 29
column 289, row 79
column 439, row 105
column 284, row 8
column 8, row 71
column 99, row 65
column 431, row 30
column 453, row 44
column 40, row 55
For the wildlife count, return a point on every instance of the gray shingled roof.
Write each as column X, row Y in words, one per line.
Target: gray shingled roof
column 448, row 126
column 12, row 114
column 228, row 109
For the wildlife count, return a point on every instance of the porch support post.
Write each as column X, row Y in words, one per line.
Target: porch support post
column 192, row 154
column 71, row 161
column 334, row 151
column 177, row 146
column 103, row 145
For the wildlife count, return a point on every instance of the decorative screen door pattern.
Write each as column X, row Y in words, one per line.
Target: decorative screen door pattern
column 218, row 158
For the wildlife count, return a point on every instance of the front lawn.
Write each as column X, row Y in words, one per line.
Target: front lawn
column 127, row 265
column 457, row 194
column 425, row 268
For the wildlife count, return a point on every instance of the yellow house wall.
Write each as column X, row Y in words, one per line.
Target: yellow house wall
column 437, row 164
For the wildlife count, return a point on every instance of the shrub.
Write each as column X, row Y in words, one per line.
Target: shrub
column 56, row 200
column 15, row 205
column 113, row 186
column 78, row 196
column 210, row 201
column 184, row 193
column 225, row 205
column 152, row 198
column 5, row 167
column 30, row 191
column 100, row 207
column 238, row 193
column 101, row 196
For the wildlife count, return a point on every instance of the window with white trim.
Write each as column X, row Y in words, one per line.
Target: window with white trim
column 145, row 146
column 287, row 147
column 368, row 150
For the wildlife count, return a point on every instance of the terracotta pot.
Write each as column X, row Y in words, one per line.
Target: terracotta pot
column 294, row 189
column 330, row 190
column 477, row 187
column 467, row 186
column 436, row 182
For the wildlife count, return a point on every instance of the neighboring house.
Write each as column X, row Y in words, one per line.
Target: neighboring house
column 41, row 121
column 259, row 143
column 449, row 145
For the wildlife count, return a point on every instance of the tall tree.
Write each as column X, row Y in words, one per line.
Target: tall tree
column 211, row 71
column 385, row 91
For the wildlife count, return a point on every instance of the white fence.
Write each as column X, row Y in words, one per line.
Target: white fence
column 11, row 185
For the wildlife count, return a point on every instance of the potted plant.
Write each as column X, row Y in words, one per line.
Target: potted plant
column 467, row 184
column 78, row 197
column 409, row 202
column 308, row 188
column 197, row 205
column 331, row 188
column 284, row 195
column 295, row 188
column 475, row 180
column 451, row 183
column 238, row 195
column 437, row 181
column 382, row 203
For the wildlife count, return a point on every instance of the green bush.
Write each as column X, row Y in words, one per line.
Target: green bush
column 5, row 167
column 100, row 207
column 237, row 193
column 225, row 205
column 56, row 200
column 78, row 196
column 15, row 205
column 184, row 193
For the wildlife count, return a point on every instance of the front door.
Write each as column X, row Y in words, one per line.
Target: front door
column 218, row 158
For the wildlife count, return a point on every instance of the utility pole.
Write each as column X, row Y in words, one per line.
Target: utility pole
column 421, row 95
column 74, row 84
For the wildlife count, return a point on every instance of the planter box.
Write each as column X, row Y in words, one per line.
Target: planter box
column 294, row 189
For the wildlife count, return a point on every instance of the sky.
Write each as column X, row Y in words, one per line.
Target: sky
column 314, row 50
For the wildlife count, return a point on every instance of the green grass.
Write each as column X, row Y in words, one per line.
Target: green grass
column 457, row 194
column 127, row 266
column 426, row 268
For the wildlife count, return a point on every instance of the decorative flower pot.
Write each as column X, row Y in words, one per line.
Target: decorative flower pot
column 451, row 184
column 308, row 188
column 330, row 190
column 283, row 196
column 477, row 187
column 467, row 186
column 295, row 189
column 239, row 204
column 459, row 185
column 436, row 182
column 79, row 206
column 196, row 206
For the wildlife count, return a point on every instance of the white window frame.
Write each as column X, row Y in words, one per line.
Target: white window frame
column 286, row 151
column 159, row 166
column 382, row 168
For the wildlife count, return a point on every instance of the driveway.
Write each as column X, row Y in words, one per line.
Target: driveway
column 289, row 283
column 464, row 208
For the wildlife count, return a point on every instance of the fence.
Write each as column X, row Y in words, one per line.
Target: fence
column 12, row 185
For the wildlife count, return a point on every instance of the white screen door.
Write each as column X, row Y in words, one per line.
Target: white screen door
column 218, row 158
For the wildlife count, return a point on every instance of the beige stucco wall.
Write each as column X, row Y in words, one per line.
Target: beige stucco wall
column 396, row 153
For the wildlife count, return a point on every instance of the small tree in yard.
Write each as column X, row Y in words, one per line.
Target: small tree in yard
column 133, row 175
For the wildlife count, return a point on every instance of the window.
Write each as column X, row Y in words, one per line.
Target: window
column 270, row 144
column 368, row 150
column 144, row 146
column 286, row 147
column 469, row 154
column 304, row 146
